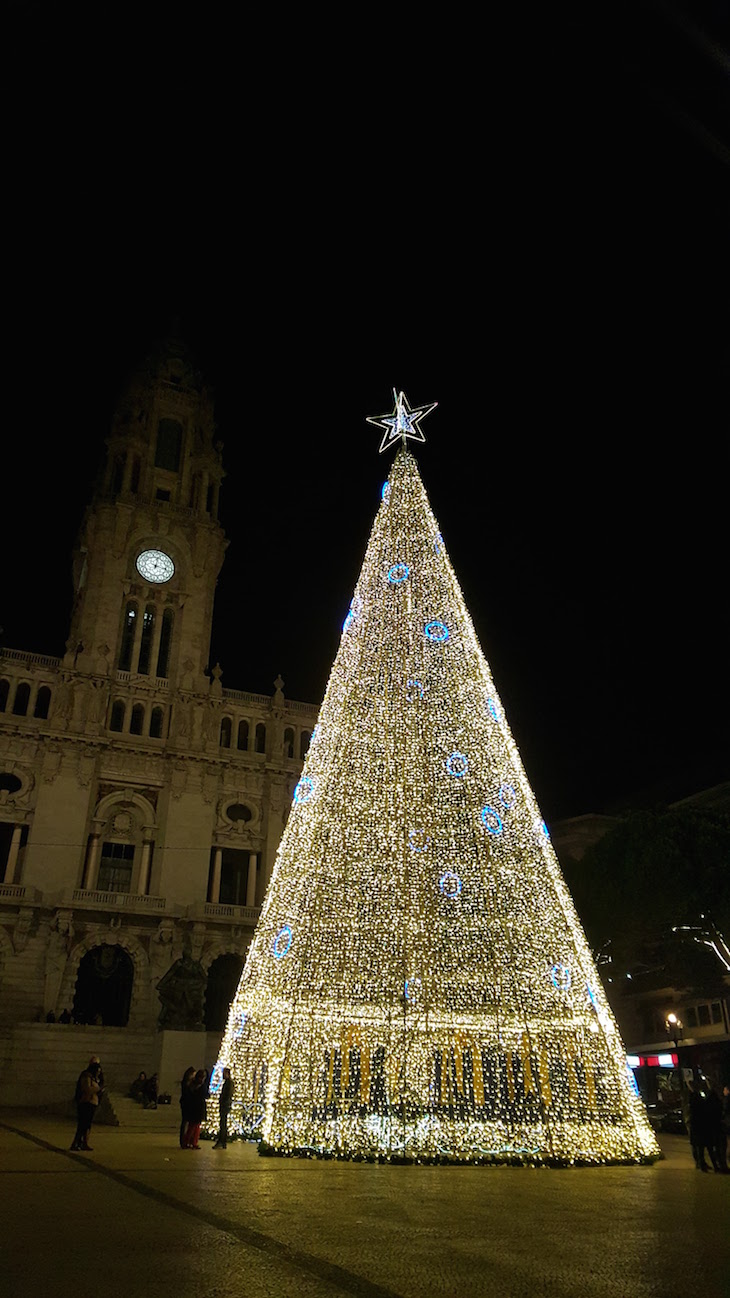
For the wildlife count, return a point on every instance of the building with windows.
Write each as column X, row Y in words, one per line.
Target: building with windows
column 666, row 1027
column 141, row 802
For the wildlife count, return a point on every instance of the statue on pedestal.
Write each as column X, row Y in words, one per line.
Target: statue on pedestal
column 60, row 941
column 182, row 994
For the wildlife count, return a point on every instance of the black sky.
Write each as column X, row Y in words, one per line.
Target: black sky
column 538, row 240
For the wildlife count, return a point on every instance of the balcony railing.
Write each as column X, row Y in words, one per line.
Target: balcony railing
column 219, row 910
column 29, row 660
column 135, row 679
column 250, row 700
column 119, row 900
column 18, row 892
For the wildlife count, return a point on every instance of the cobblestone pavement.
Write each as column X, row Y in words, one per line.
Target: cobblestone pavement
column 140, row 1216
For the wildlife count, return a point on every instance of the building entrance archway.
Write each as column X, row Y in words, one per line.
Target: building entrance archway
column 104, row 986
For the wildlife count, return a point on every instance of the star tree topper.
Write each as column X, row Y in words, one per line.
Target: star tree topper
column 403, row 422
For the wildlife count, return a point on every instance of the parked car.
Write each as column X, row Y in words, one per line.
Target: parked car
column 668, row 1120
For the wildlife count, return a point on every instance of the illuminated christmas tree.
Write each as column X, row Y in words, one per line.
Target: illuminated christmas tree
column 419, row 983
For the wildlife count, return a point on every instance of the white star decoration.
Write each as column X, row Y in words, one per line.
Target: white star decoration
column 403, row 422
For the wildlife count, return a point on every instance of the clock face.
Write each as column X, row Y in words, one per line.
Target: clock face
column 155, row 565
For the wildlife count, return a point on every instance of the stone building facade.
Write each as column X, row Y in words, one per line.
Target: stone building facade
column 141, row 802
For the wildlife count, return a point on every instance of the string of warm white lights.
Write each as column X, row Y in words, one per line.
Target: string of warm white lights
column 419, row 983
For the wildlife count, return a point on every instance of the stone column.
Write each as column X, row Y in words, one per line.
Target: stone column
column 143, row 882
column 156, row 637
column 134, row 662
column 91, row 872
column 215, row 883
column 251, row 881
column 11, row 862
column 127, row 475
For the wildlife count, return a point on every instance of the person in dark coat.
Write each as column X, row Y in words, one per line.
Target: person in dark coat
column 136, row 1089
column 698, row 1126
column 225, row 1100
column 88, row 1090
column 197, row 1100
column 716, row 1138
column 187, row 1078
column 726, row 1117
column 149, row 1096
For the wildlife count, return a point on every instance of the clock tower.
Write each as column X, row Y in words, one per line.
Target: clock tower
column 150, row 546
column 141, row 800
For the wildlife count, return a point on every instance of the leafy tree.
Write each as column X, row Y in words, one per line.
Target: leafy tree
column 656, row 872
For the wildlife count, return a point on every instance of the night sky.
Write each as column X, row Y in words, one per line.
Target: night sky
column 544, row 252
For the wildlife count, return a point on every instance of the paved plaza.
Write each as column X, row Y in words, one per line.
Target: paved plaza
column 139, row 1216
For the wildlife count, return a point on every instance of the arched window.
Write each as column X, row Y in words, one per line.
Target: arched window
column 169, row 445
column 225, row 741
column 156, row 723
column 4, row 689
column 136, row 724
column 163, row 657
column 115, row 867
column 20, row 703
column 116, row 720
column 288, row 743
column 261, row 738
column 239, row 811
column 242, row 741
column 134, row 480
column 130, row 623
column 223, row 978
column 304, row 739
column 42, row 702
column 145, row 648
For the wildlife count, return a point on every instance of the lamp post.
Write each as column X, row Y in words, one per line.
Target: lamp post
column 673, row 1026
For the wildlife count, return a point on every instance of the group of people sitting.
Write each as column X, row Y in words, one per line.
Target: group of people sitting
column 144, row 1090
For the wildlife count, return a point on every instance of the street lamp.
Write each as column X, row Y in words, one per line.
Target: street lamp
column 674, row 1029
column 673, row 1026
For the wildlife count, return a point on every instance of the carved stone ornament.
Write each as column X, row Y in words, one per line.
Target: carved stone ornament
column 51, row 764
column 21, row 931
column 210, row 786
column 87, row 766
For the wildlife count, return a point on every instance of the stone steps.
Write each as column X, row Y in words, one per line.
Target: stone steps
column 134, row 1117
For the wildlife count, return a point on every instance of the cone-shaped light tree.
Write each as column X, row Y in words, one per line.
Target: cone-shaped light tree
column 419, row 983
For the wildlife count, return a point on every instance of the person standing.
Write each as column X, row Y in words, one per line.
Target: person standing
column 726, row 1117
column 698, row 1126
column 716, row 1138
column 185, row 1085
column 88, row 1089
column 225, row 1100
column 198, row 1096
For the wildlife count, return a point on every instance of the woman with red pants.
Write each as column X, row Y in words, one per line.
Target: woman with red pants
column 197, row 1097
